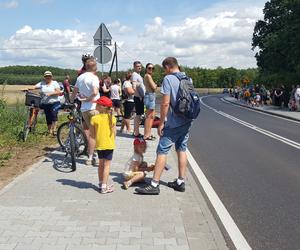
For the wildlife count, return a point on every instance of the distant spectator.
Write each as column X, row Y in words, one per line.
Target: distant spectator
column 105, row 86
column 278, row 97
column 115, row 90
column 67, row 88
column 297, row 97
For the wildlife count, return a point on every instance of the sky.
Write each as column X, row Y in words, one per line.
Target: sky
column 198, row 33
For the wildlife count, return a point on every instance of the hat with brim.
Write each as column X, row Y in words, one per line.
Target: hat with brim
column 104, row 101
column 48, row 73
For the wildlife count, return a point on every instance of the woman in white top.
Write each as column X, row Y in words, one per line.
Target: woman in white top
column 50, row 91
column 115, row 90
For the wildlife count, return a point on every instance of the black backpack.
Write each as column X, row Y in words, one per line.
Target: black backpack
column 187, row 99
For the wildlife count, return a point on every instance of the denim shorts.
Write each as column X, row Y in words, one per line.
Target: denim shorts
column 178, row 136
column 149, row 100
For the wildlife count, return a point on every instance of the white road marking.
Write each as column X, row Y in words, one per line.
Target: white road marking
column 232, row 229
column 253, row 127
column 258, row 111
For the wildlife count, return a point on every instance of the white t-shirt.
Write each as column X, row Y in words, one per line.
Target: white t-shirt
column 138, row 84
column 135, row 157
column 85, row 84
column 297, row 94
column 46, row 89
column 115, row 92
column 127, row 84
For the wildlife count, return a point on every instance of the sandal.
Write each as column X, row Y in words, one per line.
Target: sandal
column 106, row 190
column 150, row 138
column 126, row 185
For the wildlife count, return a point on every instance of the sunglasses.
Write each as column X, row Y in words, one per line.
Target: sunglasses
column 150, row 68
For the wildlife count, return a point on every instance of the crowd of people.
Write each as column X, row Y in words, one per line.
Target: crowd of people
column 103, row 102
column 259, row 95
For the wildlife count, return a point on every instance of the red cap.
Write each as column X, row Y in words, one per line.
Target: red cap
column 139, row 141
column 104, row 101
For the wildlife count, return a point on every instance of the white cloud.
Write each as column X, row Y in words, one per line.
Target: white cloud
column 218, row 36
column 9, row 5
column 57, row 47
column 118, row 28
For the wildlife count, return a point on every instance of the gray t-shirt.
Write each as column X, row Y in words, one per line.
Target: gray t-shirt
column 170, row 86
column 138, row 84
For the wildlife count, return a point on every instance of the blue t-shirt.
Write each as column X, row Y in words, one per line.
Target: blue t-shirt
column 170, row 86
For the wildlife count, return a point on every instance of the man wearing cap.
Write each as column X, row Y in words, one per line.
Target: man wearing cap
column 87, row 90
column 49, row 90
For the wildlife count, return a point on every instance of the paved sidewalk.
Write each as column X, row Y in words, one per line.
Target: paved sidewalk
column 268, row 109
column 48, row 209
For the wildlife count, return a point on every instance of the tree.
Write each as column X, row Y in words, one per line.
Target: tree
column 278, row 39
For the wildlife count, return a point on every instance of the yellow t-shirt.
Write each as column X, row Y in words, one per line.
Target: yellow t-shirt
column 104, row 138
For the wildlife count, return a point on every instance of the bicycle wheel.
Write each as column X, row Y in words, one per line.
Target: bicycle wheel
column 72, row 148
column 64, row 140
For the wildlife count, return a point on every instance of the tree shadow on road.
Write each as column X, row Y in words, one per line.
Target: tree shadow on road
column 78, row 184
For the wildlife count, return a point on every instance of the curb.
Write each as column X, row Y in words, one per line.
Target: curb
column 263, row 111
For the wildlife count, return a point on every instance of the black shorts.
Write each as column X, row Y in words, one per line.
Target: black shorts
column 139, row 105
column 105, row 154
column 50, row 111
column 128, row 108
column 116, row 103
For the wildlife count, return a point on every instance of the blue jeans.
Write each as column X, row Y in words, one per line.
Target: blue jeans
column 178, row 136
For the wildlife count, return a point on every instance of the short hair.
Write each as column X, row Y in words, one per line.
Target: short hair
column 136, row 62
column 128, row 75
column 90, row 63
column 171, row 62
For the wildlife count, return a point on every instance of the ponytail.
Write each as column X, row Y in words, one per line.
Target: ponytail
column 110, row 117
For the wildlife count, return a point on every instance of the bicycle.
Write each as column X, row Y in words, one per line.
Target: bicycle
column 32, row 100
column 71, row 137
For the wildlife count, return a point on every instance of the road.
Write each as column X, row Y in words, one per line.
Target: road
column 254, row 169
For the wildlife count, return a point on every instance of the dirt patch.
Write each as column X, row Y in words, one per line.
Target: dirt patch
column 22, row 159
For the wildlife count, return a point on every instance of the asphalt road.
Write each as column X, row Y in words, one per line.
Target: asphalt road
column 256, row 177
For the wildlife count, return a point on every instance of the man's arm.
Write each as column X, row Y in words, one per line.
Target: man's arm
column 93, row 95
column 164, row 108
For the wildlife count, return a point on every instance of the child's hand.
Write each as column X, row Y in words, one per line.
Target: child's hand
column 144, row 164
column 151, row 168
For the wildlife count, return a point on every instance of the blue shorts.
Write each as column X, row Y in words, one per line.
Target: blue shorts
column 178, row 136
column 149, row 100
column 105, row 154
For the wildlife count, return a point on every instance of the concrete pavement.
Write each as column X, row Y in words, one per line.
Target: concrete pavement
column 48, row 209
column 270, row 109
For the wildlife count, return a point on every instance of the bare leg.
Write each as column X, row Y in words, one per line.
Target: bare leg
column 137, row 121
column 182, row 163
column 148, row 122
column 106, row 169
column 53, row 126
column 100, row 170
column 160, row 164
column 134, row 179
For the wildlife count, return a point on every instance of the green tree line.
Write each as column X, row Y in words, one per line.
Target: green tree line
column 202, row 78
column 277, row 38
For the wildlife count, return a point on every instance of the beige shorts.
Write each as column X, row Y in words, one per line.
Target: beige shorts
column 87, row 116
column 129, row 174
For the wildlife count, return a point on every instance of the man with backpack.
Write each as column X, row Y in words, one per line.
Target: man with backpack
column 179, row 107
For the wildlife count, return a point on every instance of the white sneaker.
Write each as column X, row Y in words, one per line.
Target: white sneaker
column 88, row 162
column 95, row 161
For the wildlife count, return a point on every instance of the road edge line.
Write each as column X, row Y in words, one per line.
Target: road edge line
column 231, row 228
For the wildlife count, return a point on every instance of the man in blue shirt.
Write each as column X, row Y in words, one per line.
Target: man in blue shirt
column 173, row 129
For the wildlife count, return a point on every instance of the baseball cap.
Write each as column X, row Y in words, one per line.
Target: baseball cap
column 48, row 73
column 104, row 101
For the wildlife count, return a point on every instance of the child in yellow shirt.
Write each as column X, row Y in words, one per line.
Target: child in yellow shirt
column 104, row 132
